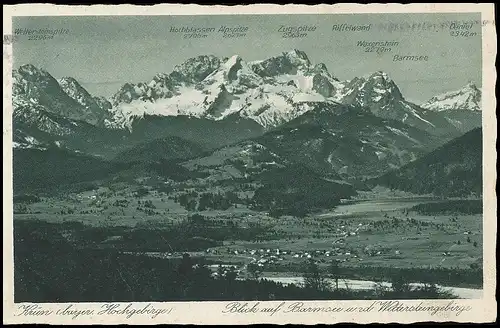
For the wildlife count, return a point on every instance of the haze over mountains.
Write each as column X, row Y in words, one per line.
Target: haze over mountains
column 297, row 110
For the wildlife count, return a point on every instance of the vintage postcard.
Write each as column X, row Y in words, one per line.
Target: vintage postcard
column 189, row 164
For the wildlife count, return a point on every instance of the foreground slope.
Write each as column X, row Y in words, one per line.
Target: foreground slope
column 168, row 148
column 454, row 169
column 40, row 170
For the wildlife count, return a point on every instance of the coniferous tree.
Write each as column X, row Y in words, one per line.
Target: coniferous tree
column 313, row 277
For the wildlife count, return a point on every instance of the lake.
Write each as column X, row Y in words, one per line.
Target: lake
column 465, row 293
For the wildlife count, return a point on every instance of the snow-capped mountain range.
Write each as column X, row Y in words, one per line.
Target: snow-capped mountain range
column 466, row 98
column 270, row 92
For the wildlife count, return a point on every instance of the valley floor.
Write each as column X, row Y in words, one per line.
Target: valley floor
column 371, row 239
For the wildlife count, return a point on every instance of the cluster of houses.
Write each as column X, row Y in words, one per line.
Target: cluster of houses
column 268, row 256
column 345, row 232
column 377, row 251
column 223, row 269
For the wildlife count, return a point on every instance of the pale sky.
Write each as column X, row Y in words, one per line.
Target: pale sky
column 103, row 52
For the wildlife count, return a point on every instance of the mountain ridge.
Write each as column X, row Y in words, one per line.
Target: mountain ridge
column 227, row 90
column 271, row 92
column 465, row 98
column 454, row 169
column 349, row 140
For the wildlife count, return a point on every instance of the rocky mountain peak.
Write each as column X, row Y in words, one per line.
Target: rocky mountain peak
column 465, row 98
column 321, row 69
column 129, row 92
column 97, row 108
column 26, row 75
column 30, row 70
column 233, row 65
column 161, row 77
column 470, row 87
column 196, row 69
column 290, row 62
column 73, row 89
column 71, row 86
column 381, row 75
column 35, row 90
column 68, row 80
column 381, row 83
column 375, row 89
column 297, row 56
